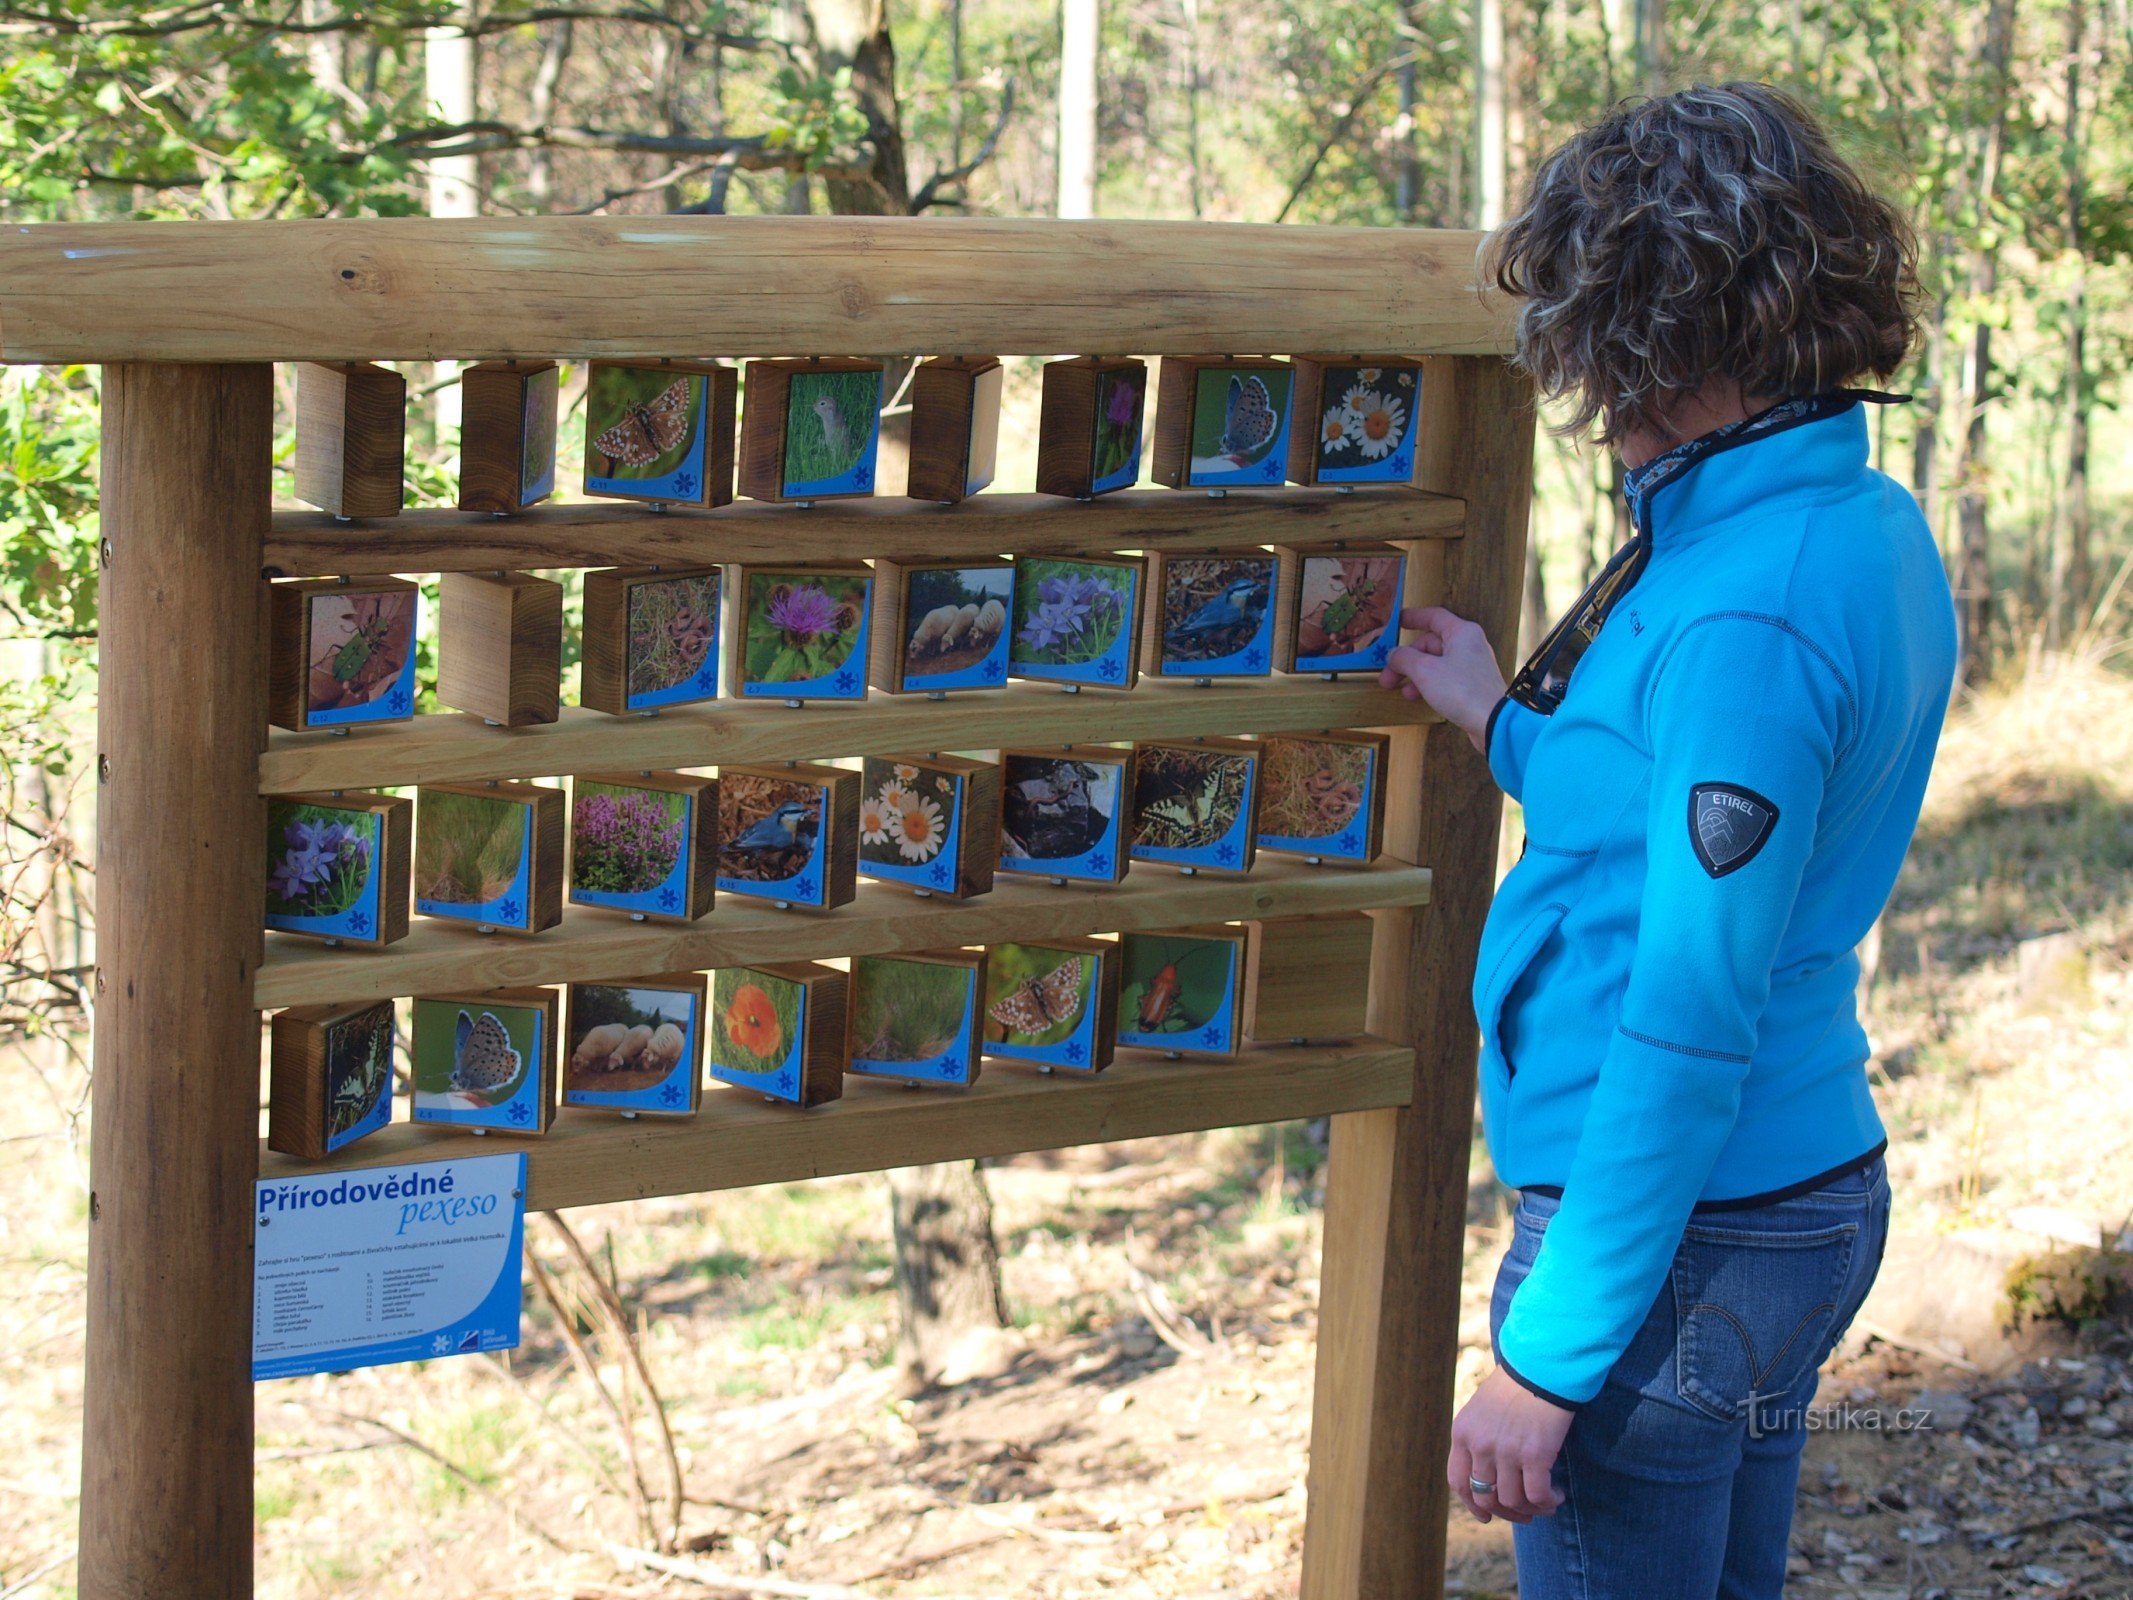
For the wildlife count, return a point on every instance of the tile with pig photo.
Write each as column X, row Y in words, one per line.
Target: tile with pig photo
column 635, row 1047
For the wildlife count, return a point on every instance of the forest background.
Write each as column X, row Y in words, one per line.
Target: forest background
column 2004, row 127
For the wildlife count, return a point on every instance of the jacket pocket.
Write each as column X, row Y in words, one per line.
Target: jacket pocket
column 1493, row 984
column 1756, row 1310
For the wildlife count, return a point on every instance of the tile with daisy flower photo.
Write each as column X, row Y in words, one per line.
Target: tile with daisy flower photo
column 932, row 822
column 1356, row 419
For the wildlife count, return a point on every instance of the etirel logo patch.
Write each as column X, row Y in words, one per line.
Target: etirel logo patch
column 1728, row 825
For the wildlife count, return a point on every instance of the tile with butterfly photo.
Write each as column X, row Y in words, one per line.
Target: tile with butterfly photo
column 1196, row 804
column 1052, row 1002
column 660, row 431
column 486, row 1061
column 330, row 1078
column 1222, row 422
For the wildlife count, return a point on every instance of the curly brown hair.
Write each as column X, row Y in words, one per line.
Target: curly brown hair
column 1711, row 232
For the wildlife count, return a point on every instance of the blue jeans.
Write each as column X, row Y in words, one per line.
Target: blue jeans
column 1678, row 1477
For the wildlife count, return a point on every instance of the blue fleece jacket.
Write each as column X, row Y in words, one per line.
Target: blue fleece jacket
column 1714, row 817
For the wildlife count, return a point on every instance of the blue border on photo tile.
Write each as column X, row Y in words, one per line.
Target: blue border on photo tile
column 858, row 478
column 377, row 1117
column 358, row 921
column 845, row 682
column 952, row 1065
column 1123, row 477
column 1107, row 671
column 1078, row 1048
column 1270, row 470
column 989, row 672
column 703, row 686
column 939, row 873
column 396, row 704
column 1253, row 659
column 1214, row 1037
column 790, row 1076
column 511, row 909
column 1092, row 865
column 1398, row 467
column 670, row 1095
column 1380, row 649
column 806, row 887
column 1350, row 844
column 533, row 389
column 519, row 1114
column 667, row 898
column 1227, row 852
column 685, row 481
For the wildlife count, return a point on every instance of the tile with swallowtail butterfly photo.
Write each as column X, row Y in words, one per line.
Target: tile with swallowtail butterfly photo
column 660, row 431
column 1196, row 804
column 331, row 1078
column 1222, row 422
column 1052, row 1002
column 486, row 1061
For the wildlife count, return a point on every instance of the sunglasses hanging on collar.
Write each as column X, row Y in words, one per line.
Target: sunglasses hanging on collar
column 1545, row 678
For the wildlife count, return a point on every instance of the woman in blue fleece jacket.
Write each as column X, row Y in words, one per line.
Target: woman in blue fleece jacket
column 1716, row 805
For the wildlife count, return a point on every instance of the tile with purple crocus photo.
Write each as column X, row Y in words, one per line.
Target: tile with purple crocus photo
column 1076, row 621
column 337, row 867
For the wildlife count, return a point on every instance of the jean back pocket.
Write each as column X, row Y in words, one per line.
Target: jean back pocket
column 1757, row 1309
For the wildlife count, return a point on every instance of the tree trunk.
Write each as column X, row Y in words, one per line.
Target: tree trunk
column 1651, row 46
column 1489, row 109
column 454, row 181
column 540, row 108
column 954, row 1317
column 2070, row 578
column 1407, row 190
column 854, row 34
column 1079, row 31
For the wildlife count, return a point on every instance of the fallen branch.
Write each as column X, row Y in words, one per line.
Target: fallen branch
column 710, row 1577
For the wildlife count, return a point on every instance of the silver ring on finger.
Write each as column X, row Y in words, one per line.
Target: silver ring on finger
column 1481, row 1486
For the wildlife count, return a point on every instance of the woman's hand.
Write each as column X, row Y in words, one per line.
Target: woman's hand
column 1507, row 1436
column 1451, row 666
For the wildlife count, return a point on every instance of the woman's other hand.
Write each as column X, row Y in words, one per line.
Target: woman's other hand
column 1507, row 1436
column 1451, row 665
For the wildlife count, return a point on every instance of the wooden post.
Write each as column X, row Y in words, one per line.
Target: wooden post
column 167, row 1430
column 1395, row 1228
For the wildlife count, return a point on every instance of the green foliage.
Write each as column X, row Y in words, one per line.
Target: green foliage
column 819, row 118
column 48, row 519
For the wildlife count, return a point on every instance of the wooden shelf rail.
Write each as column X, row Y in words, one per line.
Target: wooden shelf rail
column 738, row 1139
column 592, row 945
column 454, row 748
column 310, row 544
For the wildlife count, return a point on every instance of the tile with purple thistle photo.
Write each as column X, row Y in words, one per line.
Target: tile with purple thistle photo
column 799, row 633
column 1089, row 426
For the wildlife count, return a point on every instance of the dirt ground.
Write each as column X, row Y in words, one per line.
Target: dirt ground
column 1151, row 1438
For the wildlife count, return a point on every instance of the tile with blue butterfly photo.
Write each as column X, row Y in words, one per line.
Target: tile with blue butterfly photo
column 811, row 429
column 789, row 834
column 338, row 865
column 644, row 843
column 914, row 1017
column 341, row 654
column 1210, row 616
column 490, row 855
column 1052, row 1002
column 1182, row 992
column 660, row 431
column 1223, row 422
column 330, row 1079
column 941, row 626
column 930, row 822
column 779, row 1030
column 1078, row 621
column 650, row 638
column 800, row 632
column 1196, row 804
column 1322, row 796
column 1340, row 609
column 1063, row 812
column 636, row 1047
column 1358, row 417
column 486, row 1061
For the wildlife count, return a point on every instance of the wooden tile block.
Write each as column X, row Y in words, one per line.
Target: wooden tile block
column 1308, row 977
column 507, row 422
column 486, row 1061
column 660, row 431
column 636, row 1047
column 500, row 646
column 650, row 638
column 645, row 843
column 955, row 426
column 930, row 822
column 1357, row 418
column 331, row 1078
column 798, row 632
column 490, row 854
column 1196, row 804
column 1339, row 609
column 779, row 1029
column 341, row 654
column 1182, row 992
column 789, row 834
column 1064, row 812
column 1210, row 615
column 1077, row 621
column 941, row 626
column 351, row 437
column 1053, row 1002
column 338, row 866
column 812, row 429
column 1322, row 796
column 915, row 1017
column 1222, row 422
column 1089, row 425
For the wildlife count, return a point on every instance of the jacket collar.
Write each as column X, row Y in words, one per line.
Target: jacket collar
column 1796, row 450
